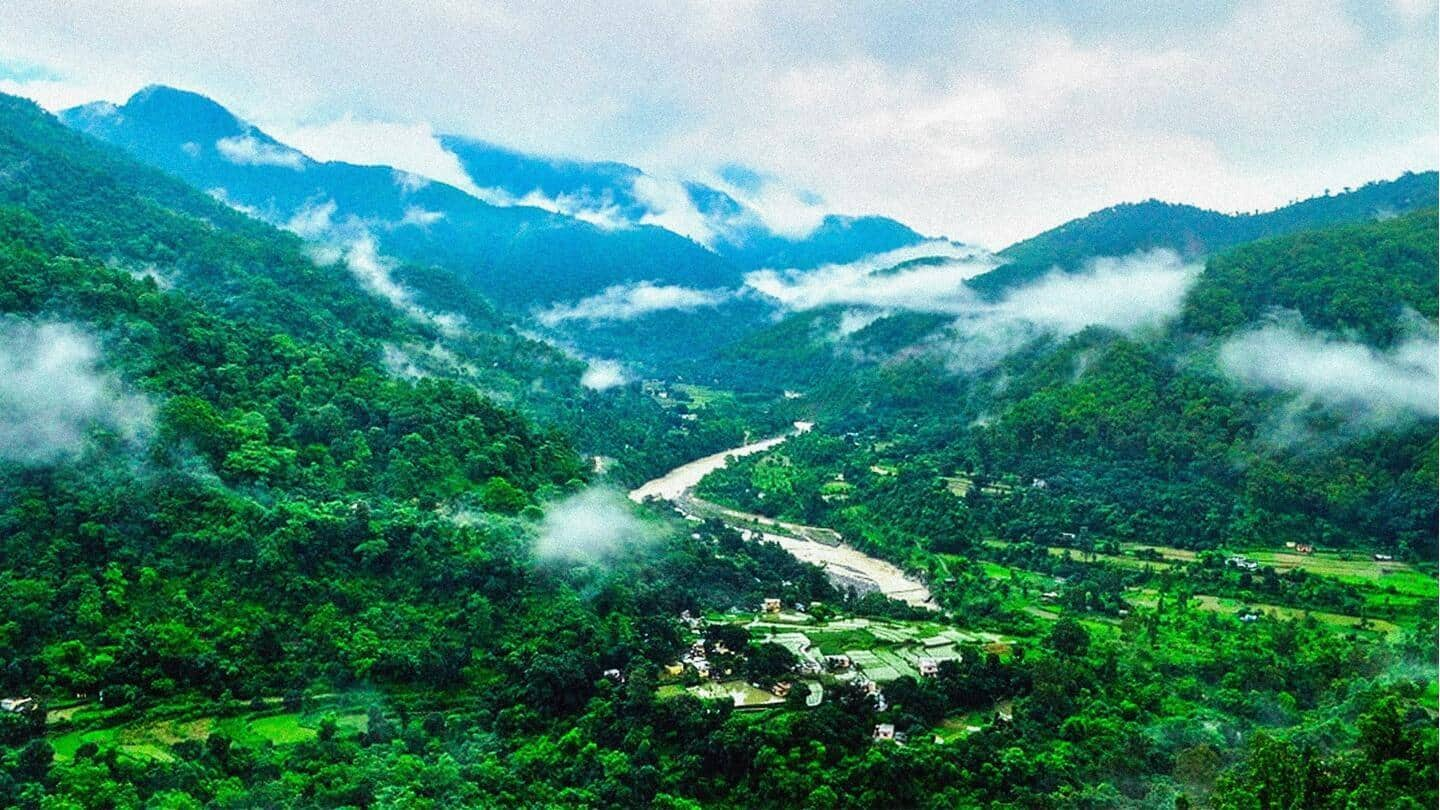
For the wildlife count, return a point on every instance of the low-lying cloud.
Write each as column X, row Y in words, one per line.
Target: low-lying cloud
column 602, row 211
column 780, row 208
column 352, row 242
column 602, row 375
column 590, row 526
column 1124, row 293
column 53, row 391
column 669, row 205
column 936, row 285
column 247, row 150
column 1368, row 387
column 624, row 302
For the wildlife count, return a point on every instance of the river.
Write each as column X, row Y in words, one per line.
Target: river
column 846, row 565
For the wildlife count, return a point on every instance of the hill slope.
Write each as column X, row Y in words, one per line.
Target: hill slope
column 1195, row 232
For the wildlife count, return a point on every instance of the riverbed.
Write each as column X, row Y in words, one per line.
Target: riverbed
column 846, row 566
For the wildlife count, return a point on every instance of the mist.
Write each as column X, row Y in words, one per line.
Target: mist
column 931, row 287
column 1367, row 387
column 53, row 391
column 352, row 242
column 590, row 526
column 624, row 302
column 601, row 375
column 247, row 150
column 1127, row 293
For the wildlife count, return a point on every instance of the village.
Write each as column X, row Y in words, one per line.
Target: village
column 826, row 651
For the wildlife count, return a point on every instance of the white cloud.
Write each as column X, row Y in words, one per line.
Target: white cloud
column 1368, row 386
column 1125, row 294
column 415, row 215
column 624, row 302
column 350, row 240
column 412, row 148
column 223, row 197
column 932, row 287
column 780, row 208
column 247, row 150
column 590, row 526
column 987, row 125
column 602, row 213
column 53, row 391
column 601, row 375
column 669, row 206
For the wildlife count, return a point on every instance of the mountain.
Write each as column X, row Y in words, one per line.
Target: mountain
column 589, row 225
column 218, row 501
column 518, row 256
column 269, row 536
column 421, row 321
column 625, row 194
column 1195, row 232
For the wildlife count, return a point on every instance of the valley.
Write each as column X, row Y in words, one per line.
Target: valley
column 846, row 566
column 486, row 477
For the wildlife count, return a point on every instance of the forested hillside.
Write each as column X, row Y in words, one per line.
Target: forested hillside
column 282, row 526
column 1162, row 434
column 1196, row 231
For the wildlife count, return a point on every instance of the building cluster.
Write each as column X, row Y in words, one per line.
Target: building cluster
column 19, row 705
column 1242, row 562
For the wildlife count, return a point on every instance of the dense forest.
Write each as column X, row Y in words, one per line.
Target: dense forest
column 271, row 538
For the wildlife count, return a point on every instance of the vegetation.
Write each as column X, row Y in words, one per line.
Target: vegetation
column 298, row 573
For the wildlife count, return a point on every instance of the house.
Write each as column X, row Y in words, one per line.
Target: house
column 614, row 675
column 1384, row 557
column 674, row 669
column 1039, row 483
column 781, row 689
column 1244, row 563
column 1248, row 617
column 884, row 731
column 771, row 605
column 701, row 667
column 837, row 661
column 1051, row 595
column 929, row 667
column 22, row 705
column 1304, row 548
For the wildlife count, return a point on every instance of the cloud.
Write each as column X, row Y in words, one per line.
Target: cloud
column 601, row 212
column 601, row 375
column 420, row 217
column 351, row 240
column 1125, row 294
column 624, row 302
column 53, row 391
column 247, row 150
column 669, row 205
column 987, row 125
column 1367, row 387
column 936, row 286
column 412, row 148
column 590, row 526
column 782, row 209
column 223, row 197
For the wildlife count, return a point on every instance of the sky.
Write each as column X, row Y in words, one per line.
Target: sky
column 984, row 122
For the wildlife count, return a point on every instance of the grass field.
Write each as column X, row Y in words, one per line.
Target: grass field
column 741, row 693
column 153, row 739
column 1215, row 604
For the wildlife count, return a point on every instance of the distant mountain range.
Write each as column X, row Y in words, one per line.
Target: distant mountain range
column 550, row 230
column 540, row 235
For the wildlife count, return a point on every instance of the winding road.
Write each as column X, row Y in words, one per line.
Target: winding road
column 845, row 565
